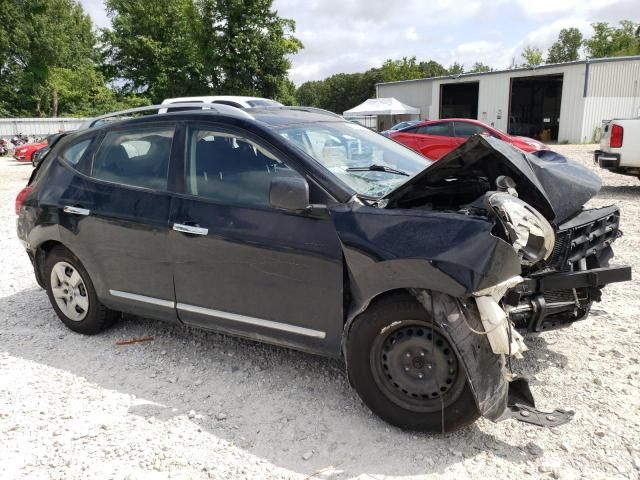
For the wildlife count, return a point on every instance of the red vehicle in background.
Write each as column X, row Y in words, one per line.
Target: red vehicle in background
column 435, row 138
column 24, row 152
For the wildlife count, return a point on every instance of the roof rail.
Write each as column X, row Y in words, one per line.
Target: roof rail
column 215, row 107
column 307, row 109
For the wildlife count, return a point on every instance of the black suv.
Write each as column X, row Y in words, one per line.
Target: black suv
column 295, row 227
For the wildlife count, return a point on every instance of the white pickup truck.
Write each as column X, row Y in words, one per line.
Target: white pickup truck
column 620, row 146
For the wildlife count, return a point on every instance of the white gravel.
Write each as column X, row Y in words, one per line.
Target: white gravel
column 191, row 404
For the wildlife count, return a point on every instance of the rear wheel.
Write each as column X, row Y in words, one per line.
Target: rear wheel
column 405, row 369
column 72, row 294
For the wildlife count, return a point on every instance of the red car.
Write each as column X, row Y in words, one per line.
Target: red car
column 24, row 152
column 435, row 138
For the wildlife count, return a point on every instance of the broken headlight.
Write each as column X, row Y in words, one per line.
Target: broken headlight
column 529, row 232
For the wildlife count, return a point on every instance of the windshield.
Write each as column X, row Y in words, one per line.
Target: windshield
column 369, row 163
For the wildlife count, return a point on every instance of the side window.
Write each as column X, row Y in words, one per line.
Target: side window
column 230, row 169
column 439, row 129
column 139, row 158
column 74, row 152
column 465, row 130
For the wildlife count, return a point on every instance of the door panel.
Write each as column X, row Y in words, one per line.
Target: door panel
column 266, row 265
column 118, row 220
column 252, row 270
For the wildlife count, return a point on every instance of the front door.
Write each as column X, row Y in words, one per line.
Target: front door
column 242, row 266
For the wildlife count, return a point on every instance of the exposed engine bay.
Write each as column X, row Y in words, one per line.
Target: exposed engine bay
column 537, row 203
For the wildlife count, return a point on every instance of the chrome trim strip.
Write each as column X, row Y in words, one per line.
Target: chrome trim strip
column 143, row 298
column 77, row 210
column 252, row 320
column 178, row 227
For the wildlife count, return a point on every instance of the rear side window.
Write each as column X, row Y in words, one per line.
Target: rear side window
column 440, row 129
column 73, row 153
column 464, row 130
column 137, row 157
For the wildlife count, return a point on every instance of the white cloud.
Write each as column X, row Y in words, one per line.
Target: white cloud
column 354, row 35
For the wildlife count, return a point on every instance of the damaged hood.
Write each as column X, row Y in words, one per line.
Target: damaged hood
column 554, row 185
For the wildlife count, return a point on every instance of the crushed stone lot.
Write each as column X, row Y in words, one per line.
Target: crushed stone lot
column 191, row 404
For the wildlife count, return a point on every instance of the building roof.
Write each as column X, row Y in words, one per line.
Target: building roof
column 518, row 69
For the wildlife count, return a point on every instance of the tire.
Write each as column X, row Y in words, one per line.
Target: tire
column 72, row 294
column 425, row 391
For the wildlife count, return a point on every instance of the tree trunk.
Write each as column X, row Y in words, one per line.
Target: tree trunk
column 54, row 103
column 38, row 112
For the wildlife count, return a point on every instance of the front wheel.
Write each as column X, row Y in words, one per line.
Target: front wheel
column 72, row 294
column 405, row 369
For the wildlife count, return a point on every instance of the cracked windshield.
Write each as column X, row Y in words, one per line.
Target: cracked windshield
column 367, row 162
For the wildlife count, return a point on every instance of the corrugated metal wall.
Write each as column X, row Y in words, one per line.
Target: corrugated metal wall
column 493, row 97
column 613, row 92
column 37, row 127
column 415, row 94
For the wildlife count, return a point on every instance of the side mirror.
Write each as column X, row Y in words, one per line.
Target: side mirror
column 289, row 193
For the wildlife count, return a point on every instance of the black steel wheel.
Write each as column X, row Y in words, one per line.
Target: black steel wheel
column 406, row 370
column 414, row 364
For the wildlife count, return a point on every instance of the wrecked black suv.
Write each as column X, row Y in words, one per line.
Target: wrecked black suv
column 294, row 227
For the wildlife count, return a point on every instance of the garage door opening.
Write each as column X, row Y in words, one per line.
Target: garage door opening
column 535, row 107
column 459, row 100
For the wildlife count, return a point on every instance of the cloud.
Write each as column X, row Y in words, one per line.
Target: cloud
column 355, row 35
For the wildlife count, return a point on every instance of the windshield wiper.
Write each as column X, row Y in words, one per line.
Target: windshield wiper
column 378, row 168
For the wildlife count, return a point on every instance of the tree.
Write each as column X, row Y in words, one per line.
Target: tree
column 611, row 41
column 189, row 47
column 532, row 56
column 567, row 47
column 456, row 69
column 38, row 36
column 480, row 67
column 431, row 68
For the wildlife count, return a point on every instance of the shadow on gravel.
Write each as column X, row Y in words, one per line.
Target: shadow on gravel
column 620, row 190
column 272, row 402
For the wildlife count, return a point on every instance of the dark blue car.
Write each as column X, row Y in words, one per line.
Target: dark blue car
column 295, row 227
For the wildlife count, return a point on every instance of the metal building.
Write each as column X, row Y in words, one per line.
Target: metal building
column 564, row 102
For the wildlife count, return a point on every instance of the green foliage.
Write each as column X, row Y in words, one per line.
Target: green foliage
column 480, row 67
column 408, row 68
column 532, row 56
column 611, row 41
column 456, row 69
column 567, row 47
column 195, row 47
column 47, row 60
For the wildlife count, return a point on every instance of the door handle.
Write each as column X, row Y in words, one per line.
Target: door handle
column 76, row 210
column 179, row 227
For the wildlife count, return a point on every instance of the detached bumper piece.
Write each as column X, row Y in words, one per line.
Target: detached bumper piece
column 521, row 407
column 563, row 291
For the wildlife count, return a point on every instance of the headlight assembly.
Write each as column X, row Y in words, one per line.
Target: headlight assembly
column 529, row 232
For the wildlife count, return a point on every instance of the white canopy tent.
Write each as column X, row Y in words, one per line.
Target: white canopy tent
column 387, row 112
column 382, row 106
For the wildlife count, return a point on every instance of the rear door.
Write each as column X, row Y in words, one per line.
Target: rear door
column 117, row 216
column 242, row 266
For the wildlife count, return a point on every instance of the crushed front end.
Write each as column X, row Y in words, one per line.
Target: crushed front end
column 562, row 289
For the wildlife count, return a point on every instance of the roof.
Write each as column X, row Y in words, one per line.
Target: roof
column 382, row 106
column 519, row 69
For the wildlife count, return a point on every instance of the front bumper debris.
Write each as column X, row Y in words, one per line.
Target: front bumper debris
column 558, row 299
column 522, row 407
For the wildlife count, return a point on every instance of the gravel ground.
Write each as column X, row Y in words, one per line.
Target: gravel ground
column 191, row 404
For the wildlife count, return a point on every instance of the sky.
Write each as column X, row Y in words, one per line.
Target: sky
column 345, row 36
